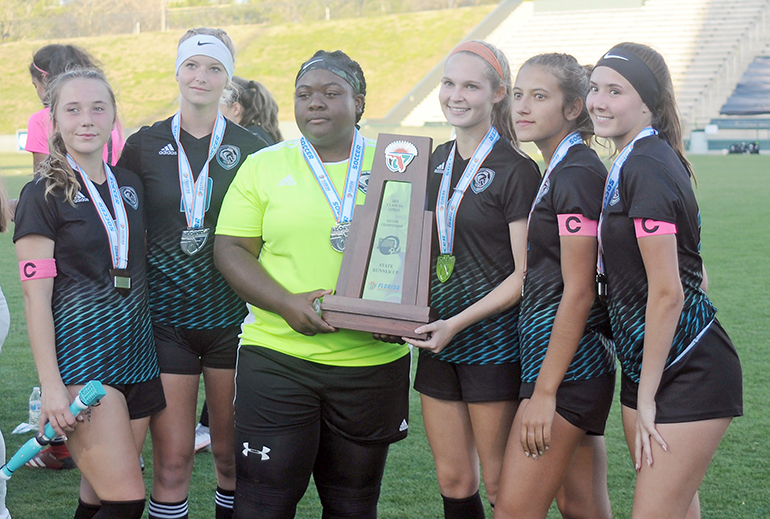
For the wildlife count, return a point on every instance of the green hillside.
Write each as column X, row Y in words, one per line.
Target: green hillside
column 395, row 51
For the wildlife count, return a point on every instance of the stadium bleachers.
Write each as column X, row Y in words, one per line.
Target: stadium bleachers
column 707, row 44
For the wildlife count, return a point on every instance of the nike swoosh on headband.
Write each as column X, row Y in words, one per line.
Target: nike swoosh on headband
column 201, row 43
column 606, row 56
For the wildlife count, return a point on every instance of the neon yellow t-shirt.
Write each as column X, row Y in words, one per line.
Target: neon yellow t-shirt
column 275, row 196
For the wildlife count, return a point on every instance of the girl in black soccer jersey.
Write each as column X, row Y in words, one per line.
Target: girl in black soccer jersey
column 568, row 361
column 681, row 381
column 481, row 188
column 186, row 163
column 80, row 241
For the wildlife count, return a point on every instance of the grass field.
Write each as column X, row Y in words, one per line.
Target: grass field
column 733, row 193
column 395, row 51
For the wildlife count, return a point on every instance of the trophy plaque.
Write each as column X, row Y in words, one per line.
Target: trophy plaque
column 384, row 281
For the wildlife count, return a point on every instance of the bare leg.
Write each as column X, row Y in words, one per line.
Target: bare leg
column 528, row 486
column 491, row 424
column 450, row 434
column 104, row 448
column 584, row 493
column 666, row 490
column 173, row 438
column 220, row 392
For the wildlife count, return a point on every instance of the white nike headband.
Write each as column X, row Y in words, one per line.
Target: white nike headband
column 205, row 45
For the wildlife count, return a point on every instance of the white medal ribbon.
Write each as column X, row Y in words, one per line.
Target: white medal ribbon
column 573, row 139
column 195, row 192
column 446, row 212
column 117, row 229
column 342, row 209
column 612, row 185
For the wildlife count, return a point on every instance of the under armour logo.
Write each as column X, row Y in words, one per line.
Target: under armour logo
column 262, row 453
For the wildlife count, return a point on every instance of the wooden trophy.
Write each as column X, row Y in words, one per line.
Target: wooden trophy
column 384, row 281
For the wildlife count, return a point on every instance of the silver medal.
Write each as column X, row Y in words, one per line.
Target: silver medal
column 339, row 236
column 193, row 240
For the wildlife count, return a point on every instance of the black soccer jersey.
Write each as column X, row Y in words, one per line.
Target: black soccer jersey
column 501, row 192
column 575, row 186
column 100, row 335
column 186, row 291
column 653, row 185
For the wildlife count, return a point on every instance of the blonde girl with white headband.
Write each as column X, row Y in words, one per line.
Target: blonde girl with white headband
column 186, row 164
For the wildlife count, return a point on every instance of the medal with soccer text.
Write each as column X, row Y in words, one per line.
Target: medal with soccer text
column 195, row 193
column 342, row 208
column 117, row 228
column 446, row 207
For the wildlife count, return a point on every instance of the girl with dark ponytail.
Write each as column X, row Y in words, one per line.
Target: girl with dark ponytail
column 681, row 380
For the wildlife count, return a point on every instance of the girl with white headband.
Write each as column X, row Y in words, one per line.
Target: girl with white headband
column 681, row 380
column 186, row 163
column 481, row 188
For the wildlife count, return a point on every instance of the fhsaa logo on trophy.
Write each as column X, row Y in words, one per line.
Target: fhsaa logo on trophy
column 398, row 155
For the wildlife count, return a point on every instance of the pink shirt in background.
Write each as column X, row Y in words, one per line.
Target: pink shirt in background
column 39, row 128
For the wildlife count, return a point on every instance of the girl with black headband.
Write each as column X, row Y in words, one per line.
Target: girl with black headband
column 681, row 380
column 311, row 400
column 567, row 357
column 186, row 164
column 468, row 372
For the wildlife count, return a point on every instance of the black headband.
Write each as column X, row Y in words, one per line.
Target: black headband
column 636, row 71
column 333, row 65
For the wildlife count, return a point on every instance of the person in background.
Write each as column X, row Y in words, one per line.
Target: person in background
column 5, row 324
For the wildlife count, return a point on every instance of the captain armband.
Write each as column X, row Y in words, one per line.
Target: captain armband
column 648, row 227
column 37, row 269
column 576, row 225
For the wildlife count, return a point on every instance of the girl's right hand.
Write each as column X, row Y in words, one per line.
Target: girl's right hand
column 55, row 409
column 537, row 420
column 300, row 314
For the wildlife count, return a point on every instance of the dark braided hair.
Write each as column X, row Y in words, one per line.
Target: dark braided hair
column 354, row 66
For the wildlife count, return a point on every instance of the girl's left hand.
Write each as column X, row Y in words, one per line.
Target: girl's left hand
column 645, row 429
column 440, row 333
column 536, row 422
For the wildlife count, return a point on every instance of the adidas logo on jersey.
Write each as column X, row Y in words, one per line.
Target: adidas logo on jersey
column 168, row 149
column 80, row 197
column 404, row 426
column 288, row 180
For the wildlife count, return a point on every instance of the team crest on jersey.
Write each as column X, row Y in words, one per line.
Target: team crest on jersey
column 398, row 155
column 363, row 181
column 482, row 180
column 130, row 196
column 615, row 197
column 228, row 156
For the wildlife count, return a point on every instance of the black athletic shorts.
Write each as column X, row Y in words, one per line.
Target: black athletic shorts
column 185, row 352
column 276, row 393
column 583, row 403
column 467, row 382
column 143, row 398
column 703, row 385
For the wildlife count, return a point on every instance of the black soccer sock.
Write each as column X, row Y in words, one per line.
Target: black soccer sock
column 121, row 510
column 464, row 508
column 224, row 503
column 160, row 510
column 204, row 420
column 86, row 510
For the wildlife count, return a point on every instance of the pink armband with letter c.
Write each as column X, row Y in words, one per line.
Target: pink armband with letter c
column 576, row 225
column 37, row 269
column 648, row 227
